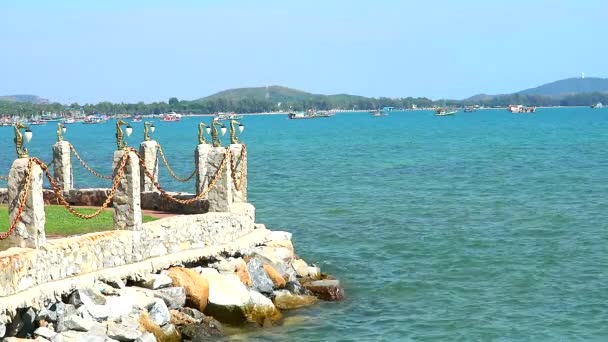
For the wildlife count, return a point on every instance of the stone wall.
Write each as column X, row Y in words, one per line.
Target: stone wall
column 24, row 268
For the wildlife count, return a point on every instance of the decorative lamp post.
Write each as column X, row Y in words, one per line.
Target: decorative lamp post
column 22, row 151
column 202, row 129
column 148, row 128
column 61, row 129
column 121, row 143
column 214, row 133
column 241, row 128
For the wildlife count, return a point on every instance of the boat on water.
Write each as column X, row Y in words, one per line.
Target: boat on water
column 310, row 114
column 444, row 112
column 36, row 122
column 137, row 118
column 381, row 112
column 68, row 121
column 227, row 116
column 172, row 117
column 597, row 105
column 470, row 109
column 519, row 109
column 94, row 119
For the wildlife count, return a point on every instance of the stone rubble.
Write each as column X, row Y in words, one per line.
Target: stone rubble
column 182, row 303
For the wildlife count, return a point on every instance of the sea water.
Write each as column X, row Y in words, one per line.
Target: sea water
column 480, row 226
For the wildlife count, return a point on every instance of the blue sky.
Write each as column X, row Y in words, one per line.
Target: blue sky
column 90, row 51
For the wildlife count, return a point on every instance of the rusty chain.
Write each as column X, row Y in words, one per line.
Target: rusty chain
column 238, row 185
column 87, row 167
column 59, row 193
column 24, row 193
column 171, row 172
column 198, row 197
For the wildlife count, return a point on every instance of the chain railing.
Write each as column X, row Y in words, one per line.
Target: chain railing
column 87, row 167
column 115, row 184
column 24, row 193
column 59, row 193
column 238, row 184
column 170, row 170
column 198, row 197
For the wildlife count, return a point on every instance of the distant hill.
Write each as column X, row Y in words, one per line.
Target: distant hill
column 558, row 89
column 24, row 98
column 569, row 86
column 276, row 94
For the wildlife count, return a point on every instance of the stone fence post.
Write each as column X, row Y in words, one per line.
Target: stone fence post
column 127, row 200
column 201, row 153
column 221, row 195
column 148, row 150
column 29, row 231
column 240, row 167
column 62, row 165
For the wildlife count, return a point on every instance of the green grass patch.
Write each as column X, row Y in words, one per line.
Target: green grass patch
column 59, row 221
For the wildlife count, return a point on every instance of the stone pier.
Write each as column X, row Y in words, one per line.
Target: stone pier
column 148, row 150
column 221, row 195
column 201, row 153
column 240, row 194
column 127, row 200
column 29, row 232
column 62, row 165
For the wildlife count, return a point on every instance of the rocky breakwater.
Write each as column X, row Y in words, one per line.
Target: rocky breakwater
column 183, row 303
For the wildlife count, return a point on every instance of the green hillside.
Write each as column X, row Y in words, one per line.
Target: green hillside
column 271, row 93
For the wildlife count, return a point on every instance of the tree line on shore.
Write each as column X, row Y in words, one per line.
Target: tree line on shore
column 319, row 102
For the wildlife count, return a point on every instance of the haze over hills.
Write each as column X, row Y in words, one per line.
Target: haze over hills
column 557, row 89
column 23, row 98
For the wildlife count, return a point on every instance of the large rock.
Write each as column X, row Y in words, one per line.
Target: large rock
column 159, row 313
column 301, row 268
column 327, row 289
column 259, row 278
column 155, row 281
column 261, row 310
column 243, row 274
column 115, row 282
column 86, row 296
column 196, row 286
column 276, row 255
column 2, row 330
column 174, row 297
column 22, row 324
column 127, row 330
column 146, row 337
column 275, row 276
column 228, row 298
column 285, row 300
column 278, row 235
column 45, row 332
column 75, row 322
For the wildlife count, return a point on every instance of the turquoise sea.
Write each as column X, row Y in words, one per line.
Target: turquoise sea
column 484, row 226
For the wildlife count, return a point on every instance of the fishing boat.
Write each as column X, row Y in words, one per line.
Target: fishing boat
column 37, row 122
column 172, row 117
column 137, row 118
column 310, row 114
column 519, row 109
column 470, row 109
column 94, row 119
column 68, row 121
column 444, row 112
column 377, row 112
column 227, row 116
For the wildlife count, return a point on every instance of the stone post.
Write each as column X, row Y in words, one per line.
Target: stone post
column 240, row 195
column 62, row 165
column 29, row 232
column 201, row 153
column 127, row 200
column 220, row 196
column 148, row 151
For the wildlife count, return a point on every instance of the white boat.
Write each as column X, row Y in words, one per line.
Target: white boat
column 517, row 109
column 172, row 116
column 444, row 112
column 227, row 116
column 597, row 105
